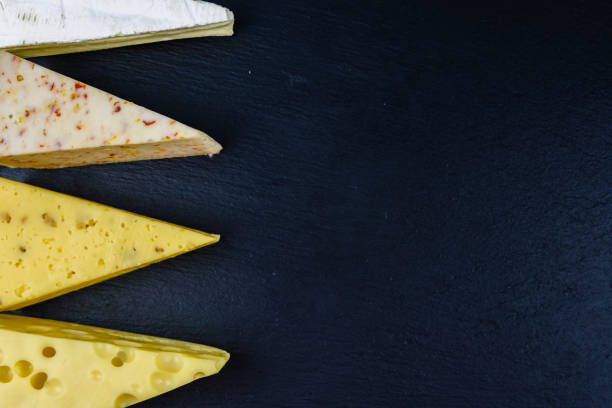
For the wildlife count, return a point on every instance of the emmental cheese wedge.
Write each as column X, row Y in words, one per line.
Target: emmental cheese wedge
column 50, row 364
column 32, row 28
column 48, row 120
column 51, row 243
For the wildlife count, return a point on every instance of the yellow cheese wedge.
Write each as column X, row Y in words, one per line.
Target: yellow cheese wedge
column 48, row 120
column 50, row 364
column 51, row 243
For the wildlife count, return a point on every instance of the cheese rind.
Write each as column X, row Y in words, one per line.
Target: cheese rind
column 43, row 112
column 51, row 364
column 47, row 27
column 99, row 155
column 51, row 243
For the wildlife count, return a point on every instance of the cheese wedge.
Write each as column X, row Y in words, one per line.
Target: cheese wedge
column 48, row 120
column 50, row 364
column 45, row 27
column 51, row 243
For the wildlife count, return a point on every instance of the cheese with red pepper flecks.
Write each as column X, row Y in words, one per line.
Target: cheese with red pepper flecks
column 48, row 120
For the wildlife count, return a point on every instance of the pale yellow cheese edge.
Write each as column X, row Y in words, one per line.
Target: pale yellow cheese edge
column 146, row 339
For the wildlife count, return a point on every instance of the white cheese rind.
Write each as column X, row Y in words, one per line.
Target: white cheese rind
column 67, row 21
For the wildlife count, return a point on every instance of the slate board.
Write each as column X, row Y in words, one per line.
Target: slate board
column 413, row 197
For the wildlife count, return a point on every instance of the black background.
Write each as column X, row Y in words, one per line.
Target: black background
column 414, row 199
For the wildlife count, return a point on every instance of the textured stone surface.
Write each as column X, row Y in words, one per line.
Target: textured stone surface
column 413, row 199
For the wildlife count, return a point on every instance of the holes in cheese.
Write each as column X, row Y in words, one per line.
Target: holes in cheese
column 126, row 355
column 162, row 381
column 96, row 375
column 23, row 368
column 49, row 120
column 67, row 243
column 117, row 362
column 33, row 375
column 171, row 362
column 125, row 400
column 54, row 387
column 105, row 350
column 38, row 380
column 6, row 374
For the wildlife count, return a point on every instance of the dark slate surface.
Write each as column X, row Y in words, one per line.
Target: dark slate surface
column 414, row 199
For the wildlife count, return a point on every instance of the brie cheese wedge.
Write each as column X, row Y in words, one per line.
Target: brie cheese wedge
column 48, row 120
column 46, row 27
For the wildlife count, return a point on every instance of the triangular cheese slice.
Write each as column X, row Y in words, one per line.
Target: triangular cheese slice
column 51, row 243
column 45, row 27
column 52, row 364
column 48, row 120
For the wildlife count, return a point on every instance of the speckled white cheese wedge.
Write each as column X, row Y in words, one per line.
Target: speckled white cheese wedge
column 44, row 27
column 51, row 364
column 48, row 120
